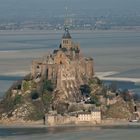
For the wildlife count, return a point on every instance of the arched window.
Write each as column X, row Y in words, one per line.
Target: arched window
column 65, row 41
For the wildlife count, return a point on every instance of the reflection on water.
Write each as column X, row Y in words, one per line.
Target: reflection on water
column 21, row 131
column 44, row 130
column 71, row 133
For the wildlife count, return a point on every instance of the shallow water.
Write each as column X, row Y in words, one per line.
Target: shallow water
column 135, row 88
column 71, row 133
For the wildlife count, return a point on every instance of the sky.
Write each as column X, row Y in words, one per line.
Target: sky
column 26, row 9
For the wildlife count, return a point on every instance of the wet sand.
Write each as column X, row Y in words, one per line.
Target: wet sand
column 71, row 133
column 109, row 76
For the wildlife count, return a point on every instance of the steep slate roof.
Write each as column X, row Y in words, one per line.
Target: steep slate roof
column 66, row 34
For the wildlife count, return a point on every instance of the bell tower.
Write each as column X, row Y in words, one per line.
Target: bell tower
column 66, row 38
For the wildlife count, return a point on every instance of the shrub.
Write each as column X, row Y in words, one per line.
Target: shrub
column 37, row 111
column 17, row 99
column 10, row 103
column 35, row 115
column 34, row 95
column 95, row 100
column 47, row 98
column 95, row 80
column 48, row 86
column 85, row 90
column 25, row 85
column 33, row 84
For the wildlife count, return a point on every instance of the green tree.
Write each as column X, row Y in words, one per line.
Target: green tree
column 85, row 90
column 34, row 95
column 17, row 99
column 47, row 98
column 48, row 86
column 95, row 100
column 95, row 80
column 26, row 85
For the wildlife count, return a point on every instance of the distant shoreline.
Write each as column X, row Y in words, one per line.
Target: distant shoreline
column 115, row 124
column 45, row 32
column 101, row 75
column 109, row 76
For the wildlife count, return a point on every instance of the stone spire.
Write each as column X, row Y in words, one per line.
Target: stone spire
column 66, row 21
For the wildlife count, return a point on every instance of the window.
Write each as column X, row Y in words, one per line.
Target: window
column 65, row 41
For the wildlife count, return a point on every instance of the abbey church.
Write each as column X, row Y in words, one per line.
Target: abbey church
column 65, row 67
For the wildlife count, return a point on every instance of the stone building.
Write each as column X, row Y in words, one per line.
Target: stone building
column 65, row 67
column 81, row 118
column 93, row 117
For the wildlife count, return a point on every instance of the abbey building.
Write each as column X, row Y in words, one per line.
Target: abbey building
column 65, row 67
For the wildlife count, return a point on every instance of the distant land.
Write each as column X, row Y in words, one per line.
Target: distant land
column 75, row 23
column 50, row 14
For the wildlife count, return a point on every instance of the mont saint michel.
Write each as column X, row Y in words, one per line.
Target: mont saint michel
column 72, row 75
column 62, row 89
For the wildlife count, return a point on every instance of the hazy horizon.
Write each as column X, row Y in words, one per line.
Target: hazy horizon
column 36, row 9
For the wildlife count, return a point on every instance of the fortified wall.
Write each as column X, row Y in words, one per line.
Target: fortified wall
column 80, row 118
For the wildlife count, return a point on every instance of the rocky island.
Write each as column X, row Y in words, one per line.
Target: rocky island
column 62, row 89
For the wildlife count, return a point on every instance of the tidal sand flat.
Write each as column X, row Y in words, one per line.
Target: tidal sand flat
column 112, row 51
